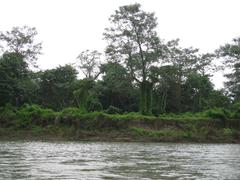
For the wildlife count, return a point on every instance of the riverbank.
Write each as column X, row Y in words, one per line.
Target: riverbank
column 111, row 136
column 33, row 122
column 133, row 134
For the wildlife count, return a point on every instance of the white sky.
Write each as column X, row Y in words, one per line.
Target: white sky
column 67, row 27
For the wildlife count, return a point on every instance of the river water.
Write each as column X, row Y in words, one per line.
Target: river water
column 98, row 160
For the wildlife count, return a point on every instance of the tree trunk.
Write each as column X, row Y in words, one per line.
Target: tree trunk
column 146, row 98
column 163, row 102
column 149, row 98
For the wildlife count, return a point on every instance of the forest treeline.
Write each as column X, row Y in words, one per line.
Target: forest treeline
column 140, row 73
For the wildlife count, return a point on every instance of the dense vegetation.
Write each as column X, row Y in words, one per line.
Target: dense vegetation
column 215, row 125
column 143, row 79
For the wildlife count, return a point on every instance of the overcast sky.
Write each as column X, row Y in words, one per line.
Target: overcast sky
column 67, row 27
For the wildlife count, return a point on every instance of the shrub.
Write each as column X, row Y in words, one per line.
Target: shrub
column 228, row 132
column 7, row 115
column 8, row 110
column 138, row 131
column 113, row 110
column 94, row 105
column 235, row 106
column 29, row 115
column 216, row 113
column 37, row 130
column 236, row 115
column 72, row 112
column 68, row 115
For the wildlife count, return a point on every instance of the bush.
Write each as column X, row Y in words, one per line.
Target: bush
column 72, row 112
column 228, row 132
column 113, row 110
column 7, row 115
column 236, row 115
column 68, row 115
column 235, row 108
column 217, row 113
column 29, row 115
column 8, row 111
column 94, row 105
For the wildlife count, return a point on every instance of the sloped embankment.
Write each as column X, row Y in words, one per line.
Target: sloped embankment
column 34, row 122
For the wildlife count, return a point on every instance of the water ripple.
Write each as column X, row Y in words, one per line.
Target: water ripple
column 82, row 160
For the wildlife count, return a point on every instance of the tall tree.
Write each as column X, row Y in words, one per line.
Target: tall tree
column 197, row 92
column 183, row 62
column 56, row 87
column 132, row 39
column 184, row 59
column 21, row 40
column 231, row 56
column 19, row 50
column 117, row 88
column 166, row 89
column 86, row 95
column 180, row 65
column 204, row 64
column 13, row 74
column 89, row 62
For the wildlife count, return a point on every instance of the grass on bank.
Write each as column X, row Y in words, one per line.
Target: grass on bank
column 28, row 115
column 71, row 122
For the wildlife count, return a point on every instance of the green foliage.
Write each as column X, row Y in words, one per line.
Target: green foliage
column 88, row 62
column 7, row 111
column 7, row 115
column 13, row 77
column 197, row 90
column 133, row 41
column 133, row 78
column 113, row 110
column 170, row 133
column 166, row 97
column 57, row 86
column 218, row 113
column 188, row 116
column 94, row 105
column 138, row 131
column 21, row 40
column 228, row 132
column 236, row 115
column 167, row 127
column 218, row 98
column 146, row 98
column 178, row 90
column 35, row 111
column 29, row 115
column 230, row 54
column 133, row 116
column 85, row 95
column 94, row 120
column 71, row 112
column 116, row 88
column 36, row 130
column 235, row 109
